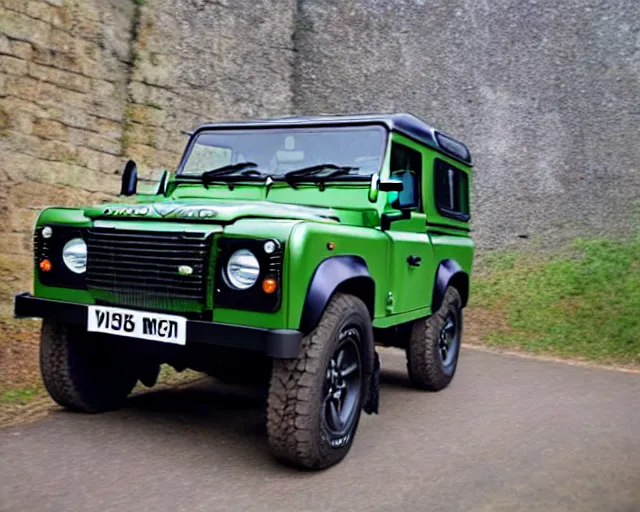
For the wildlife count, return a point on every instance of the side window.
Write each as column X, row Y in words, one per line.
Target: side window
column 451, row 190
column 404, row 158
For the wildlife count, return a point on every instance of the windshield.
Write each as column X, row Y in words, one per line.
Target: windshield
column 277, row 151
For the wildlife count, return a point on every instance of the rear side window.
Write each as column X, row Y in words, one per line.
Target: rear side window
column 451, row 190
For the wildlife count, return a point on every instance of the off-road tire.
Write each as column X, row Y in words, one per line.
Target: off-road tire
column 79, row 373
column 297, row 431
column 424, row 362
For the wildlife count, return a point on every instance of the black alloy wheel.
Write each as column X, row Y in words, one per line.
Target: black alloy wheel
column 448, row 342
column 343, row 386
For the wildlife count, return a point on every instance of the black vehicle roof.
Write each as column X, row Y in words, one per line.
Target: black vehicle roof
column 404, row 123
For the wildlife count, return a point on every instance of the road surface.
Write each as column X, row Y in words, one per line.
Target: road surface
column 508, row 434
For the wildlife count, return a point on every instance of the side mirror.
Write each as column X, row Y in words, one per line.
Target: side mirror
column 162, row 184
column 406, row 200
column 129, row 179
column 408, row 196
column 377, row 185
column 391, row 186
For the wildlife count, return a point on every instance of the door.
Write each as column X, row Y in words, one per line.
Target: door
column 413, row 265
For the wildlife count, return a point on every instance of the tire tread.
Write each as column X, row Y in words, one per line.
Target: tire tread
column 423, row 361
column 291, row 427
column 69, row 382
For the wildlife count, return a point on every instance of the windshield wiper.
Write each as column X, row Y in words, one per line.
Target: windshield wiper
column 311, row 173
column 227, row 173
column 227, row 169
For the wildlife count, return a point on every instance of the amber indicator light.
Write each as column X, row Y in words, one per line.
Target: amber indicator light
column 45, row 265
column 269, row 285
column 331, row 246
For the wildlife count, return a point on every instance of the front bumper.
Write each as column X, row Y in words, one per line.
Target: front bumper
column 280, row 343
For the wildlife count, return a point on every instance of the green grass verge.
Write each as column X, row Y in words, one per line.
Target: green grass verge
column 583, row 301
column 19, row 396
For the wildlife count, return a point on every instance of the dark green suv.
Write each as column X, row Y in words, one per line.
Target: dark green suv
column 279, row 251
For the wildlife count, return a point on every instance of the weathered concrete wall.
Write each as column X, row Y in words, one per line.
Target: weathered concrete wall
column 546, row 93
column 204, row 60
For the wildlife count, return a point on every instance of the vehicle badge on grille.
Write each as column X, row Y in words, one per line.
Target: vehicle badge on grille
column 126, row 211
column 185, row 270
column 164, row 209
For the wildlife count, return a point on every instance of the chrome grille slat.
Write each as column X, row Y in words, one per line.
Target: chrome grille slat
column 155, row 256
column 168, row 271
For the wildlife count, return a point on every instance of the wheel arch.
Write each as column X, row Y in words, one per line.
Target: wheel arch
column 345, row 274
column 449, row 273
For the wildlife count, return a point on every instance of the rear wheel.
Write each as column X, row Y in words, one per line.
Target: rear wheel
column 315, row 401
column 79, row 372
column 434, row 345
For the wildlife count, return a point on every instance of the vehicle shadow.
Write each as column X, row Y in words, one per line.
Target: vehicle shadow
column 394, row 379
column 210, row 398
column 206, row 400
column 208, row 420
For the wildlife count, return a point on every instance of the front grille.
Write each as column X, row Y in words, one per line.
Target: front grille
column 140, row 268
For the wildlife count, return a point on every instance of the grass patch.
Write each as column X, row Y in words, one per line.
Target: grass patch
column 581, row 302
column 168, row 377
column 19, row 396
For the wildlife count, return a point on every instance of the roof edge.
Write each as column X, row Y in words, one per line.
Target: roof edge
column 405, row 123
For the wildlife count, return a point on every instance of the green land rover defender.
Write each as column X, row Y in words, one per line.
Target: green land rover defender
column 280, row 251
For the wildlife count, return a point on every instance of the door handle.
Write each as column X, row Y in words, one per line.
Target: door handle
column 414, row 261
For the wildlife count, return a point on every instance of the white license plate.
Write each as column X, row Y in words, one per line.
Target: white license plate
column 137, row 324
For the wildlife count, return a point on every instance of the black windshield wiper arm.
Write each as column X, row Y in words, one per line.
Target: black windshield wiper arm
column 226, row 169
column 339, row 172
column 306, row 172
column 243, row 175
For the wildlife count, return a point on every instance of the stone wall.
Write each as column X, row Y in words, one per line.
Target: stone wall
column 546, row 93
column 63, row 86
column 87, row 84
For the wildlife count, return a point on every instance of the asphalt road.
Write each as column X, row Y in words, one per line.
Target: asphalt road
column 508, row 434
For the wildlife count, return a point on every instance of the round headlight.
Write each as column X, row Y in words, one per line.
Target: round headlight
column 243, row 270
column 74, row 255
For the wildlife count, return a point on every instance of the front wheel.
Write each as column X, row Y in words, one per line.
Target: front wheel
column 80, row 373
column 434, row 345
column 315, row 401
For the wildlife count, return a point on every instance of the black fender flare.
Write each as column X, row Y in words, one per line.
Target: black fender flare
column 449, row 273
column 348, row 274
column 333, row 273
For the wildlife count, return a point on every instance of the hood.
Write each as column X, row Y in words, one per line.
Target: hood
column 219, row 211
